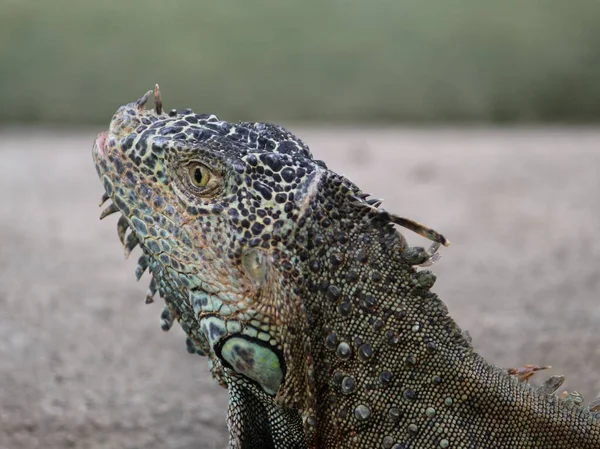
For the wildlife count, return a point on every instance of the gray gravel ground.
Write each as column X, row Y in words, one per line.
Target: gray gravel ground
column 83, row 363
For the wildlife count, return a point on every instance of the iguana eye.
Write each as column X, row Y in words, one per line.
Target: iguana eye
column 195, row 179
column 199, row 174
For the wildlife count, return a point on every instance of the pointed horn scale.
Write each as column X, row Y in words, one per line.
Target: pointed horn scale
column 142, row 101
column 104, row 199
column 420, row 229
column 371, row 206
column 595, row 405
column 157, row 100
column 150, row 292
column 122, row 226
column 131, row 242
column 111, row 209
column 142, row 265
column 375, row 202
column 551, row 385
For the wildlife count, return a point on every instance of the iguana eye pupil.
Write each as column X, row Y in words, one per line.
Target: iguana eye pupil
column 199, row 175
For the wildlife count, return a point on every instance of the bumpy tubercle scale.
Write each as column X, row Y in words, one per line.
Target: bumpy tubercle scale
column 306, row 298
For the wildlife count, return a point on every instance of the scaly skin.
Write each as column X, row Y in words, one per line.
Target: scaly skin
column 305, row 297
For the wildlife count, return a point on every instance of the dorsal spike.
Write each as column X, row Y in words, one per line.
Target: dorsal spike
column 551, row 385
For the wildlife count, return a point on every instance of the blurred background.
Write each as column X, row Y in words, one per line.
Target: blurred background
column 336, row 61
column 477, row 118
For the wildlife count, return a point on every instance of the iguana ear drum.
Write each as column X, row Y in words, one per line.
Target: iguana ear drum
column 254, row 359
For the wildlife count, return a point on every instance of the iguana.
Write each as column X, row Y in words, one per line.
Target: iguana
column 310, row 305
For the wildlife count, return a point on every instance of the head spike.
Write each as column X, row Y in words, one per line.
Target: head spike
column 157, row 100
column 142, row 101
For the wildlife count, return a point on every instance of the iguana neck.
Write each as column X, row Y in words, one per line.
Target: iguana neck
column 391, row 365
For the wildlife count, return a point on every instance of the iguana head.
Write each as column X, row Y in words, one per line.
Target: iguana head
column 249, row 239
column 213, row 204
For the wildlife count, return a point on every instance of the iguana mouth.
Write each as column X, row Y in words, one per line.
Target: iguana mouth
column 120, row 125
column 100, row 143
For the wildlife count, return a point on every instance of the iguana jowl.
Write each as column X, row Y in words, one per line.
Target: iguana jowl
column 305, row 297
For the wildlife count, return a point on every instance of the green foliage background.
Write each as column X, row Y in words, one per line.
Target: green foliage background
column 75, row 61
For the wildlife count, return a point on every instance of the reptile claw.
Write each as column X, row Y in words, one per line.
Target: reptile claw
column 109, row 211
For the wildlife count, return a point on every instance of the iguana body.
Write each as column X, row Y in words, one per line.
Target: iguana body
column 305, row 296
